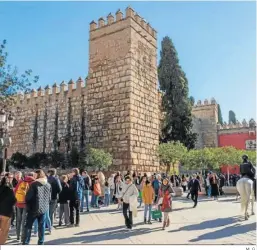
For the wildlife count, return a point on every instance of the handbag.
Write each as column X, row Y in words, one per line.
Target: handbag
column 156, row 214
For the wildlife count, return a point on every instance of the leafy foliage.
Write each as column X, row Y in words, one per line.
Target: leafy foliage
column 11, row 82
column 170, row 153
column 177, row 124
column 98, row 159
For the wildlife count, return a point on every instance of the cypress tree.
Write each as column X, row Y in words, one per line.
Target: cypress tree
column 231, row 117
column 177, row 124
column 220, row 118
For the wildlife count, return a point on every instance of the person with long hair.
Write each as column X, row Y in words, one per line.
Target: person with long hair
column 214, row 182
column 166, row 191
column 7, row 201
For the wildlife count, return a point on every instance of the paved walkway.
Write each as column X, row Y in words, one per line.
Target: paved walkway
column 212, row 222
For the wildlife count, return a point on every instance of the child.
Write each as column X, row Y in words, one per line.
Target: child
column 97, row 191
column 148, row 198
column 107, row 193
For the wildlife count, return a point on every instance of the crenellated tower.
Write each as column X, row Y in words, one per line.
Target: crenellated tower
column 205, row 120
column 122, row 97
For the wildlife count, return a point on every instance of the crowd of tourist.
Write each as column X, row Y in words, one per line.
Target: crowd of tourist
column 31, row 202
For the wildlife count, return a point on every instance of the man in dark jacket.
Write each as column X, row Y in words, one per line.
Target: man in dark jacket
column 76, row 192
column 38, row 198
column 195, row 187
column 247, row 170
column 87, row 187
column 56, row 189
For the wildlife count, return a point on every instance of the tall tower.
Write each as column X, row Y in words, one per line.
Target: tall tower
column 205, row 119
column 122, row 97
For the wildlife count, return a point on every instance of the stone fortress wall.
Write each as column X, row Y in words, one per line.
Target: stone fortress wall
column 116, row 109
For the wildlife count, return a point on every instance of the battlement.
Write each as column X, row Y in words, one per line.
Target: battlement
column 119, row 17
column 238, row 125
column 206, row 102
column 53, row 93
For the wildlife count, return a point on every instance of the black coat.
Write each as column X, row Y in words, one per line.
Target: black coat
column 7, row 201
column 195, row 186
column 55, row 185
column 64, row 196
column 38, row 197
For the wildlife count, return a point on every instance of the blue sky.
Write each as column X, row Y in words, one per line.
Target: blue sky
column 216, row 43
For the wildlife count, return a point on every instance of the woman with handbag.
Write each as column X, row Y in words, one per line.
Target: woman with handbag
column 165, row 200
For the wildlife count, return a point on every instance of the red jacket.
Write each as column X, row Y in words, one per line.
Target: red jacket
column 28, row 179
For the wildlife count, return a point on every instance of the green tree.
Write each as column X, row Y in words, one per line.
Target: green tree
column 98, row 159
column 170, row 154
column 220, row 118
column 231, row 117
column 11, row 82
column 18, row 160
column 177, row 124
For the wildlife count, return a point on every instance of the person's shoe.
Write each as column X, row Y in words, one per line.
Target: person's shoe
column 160, row 220
column 145, row 221
column 18, row 238
column 60, row 224
column 87, row 210
column 149, row 222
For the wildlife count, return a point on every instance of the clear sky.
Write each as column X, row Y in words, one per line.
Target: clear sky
column 216, row 43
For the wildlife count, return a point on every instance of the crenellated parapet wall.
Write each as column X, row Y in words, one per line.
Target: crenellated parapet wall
column 51, row 94
column 118, row 19
column 239, row 127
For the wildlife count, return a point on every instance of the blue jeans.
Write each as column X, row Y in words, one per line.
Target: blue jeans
column 85, row 195
column 148, row 208
column 48, row 223
column 209, row 191
column 107, row 200
column 92, row 200
column 96, row 200
column 41, row 219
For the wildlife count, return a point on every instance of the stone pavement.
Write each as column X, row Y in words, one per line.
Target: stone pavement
column 211, row 222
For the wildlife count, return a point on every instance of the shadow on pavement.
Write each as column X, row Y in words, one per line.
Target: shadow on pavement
column 227, row 232
column 208, row 224
column 116, row 234
column 105, row 229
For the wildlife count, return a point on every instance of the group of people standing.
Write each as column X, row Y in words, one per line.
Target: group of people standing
column 32, row 200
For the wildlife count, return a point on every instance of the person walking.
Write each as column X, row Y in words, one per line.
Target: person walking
column 87, row 187
column 189, row 187
column 156, row 185
column 194, row 189
column 148, row 199
column 184, row 183
column 64, row 197
column 208, row 185
column 56, row 188
column 20, row 191
column 7, row 201
column 107, row 194
column 76, row 192
column 141, row 186
column 165, row 195
column 37, row 201
column 118, row 190
column 112, row 187
column 129, row 191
